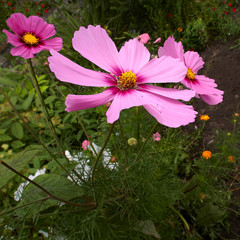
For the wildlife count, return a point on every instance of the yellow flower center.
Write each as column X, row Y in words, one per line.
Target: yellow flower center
column 30, row 38
column 190, row 74
column 127, row 80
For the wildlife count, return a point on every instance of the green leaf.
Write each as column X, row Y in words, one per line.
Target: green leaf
column 17, row 130
column 50, row 99
column 147, row 227
column 58, row 185
column 27, row 102
column 17, row 144
column 7, row 82
column 5, row 138
column 209, row 214
column 18, row 162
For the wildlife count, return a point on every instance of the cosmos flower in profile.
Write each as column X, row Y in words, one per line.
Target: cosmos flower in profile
column 130, row 72
column 31, row 35
column 202, row 85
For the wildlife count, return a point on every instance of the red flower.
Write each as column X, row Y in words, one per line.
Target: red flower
column 169, row 15
column 214, row 9
column 225, row 12
column 234, row 9
column 13, row 8
column 27, row 10
column 42, row 5
column 38, row 14
column 224, row 2
column 36, row 3
column 46, row 11
column 9, row 4
column 229, row 4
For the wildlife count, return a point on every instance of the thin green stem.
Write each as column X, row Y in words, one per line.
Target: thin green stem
column 124, row 143
column 43, row 106
column 45, row 190
column 181, row 216
column 143, row 145
column 97, row 159
column 25, row 120
column 86, row 134
column 25, row 205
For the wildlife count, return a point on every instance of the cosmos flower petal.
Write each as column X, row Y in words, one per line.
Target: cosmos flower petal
column 68, row 71
column 13, row 38
column 212, row 99
column 162, row 70
column 127, row 99
column 173, row 114
column 204, row 85
column 40, row 28
column 79, row 102
column 94, row 44
column 53, row 43
column 172, row 48
column 22, row 51
column 185, row 95
column 17, row 23
column 193, row 61
column 133, row 55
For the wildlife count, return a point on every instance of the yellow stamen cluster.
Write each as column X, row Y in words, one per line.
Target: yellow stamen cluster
column 127, row 80
column 30, row 38
column 190, row 74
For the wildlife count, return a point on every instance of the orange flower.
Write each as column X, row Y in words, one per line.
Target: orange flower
column 204, row 117
column 207, row 154
column 231, row 159
column 202, row 195
column 180, row 29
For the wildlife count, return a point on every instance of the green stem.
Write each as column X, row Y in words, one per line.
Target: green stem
column 197, row 136
column 143, row 145
column 43, row 106
column 25, row 205
column 86, row 134
column 181, row 216
column 124, row 143
column 33, row 134
column 50, row 195
column 96, row 162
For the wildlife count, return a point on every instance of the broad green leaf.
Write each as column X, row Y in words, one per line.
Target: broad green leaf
column 7, row 82
column 5, row 138
column 27, row 102
column 58, row 185
column 17, row 130
column 50, row 99
column 18, row 162
column 209, row 214
column 147, row 227
column 17, row 144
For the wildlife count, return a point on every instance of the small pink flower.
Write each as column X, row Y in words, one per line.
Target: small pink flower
column 234, row 9
column 229, row 4
column 9, row 4
column 156, row 137
column 42, row 5
column 158, row 40
column 85, row 144
column 113, row 159
column 201, row 84
column 46, row 11
column 144, row 38
column 31, row 35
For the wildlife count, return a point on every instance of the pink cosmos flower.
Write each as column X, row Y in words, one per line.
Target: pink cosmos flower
column 31, row 35
column 127, row 82
column 156, row 137
column 144, row 38
column 202, row 85
column 85, row 144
